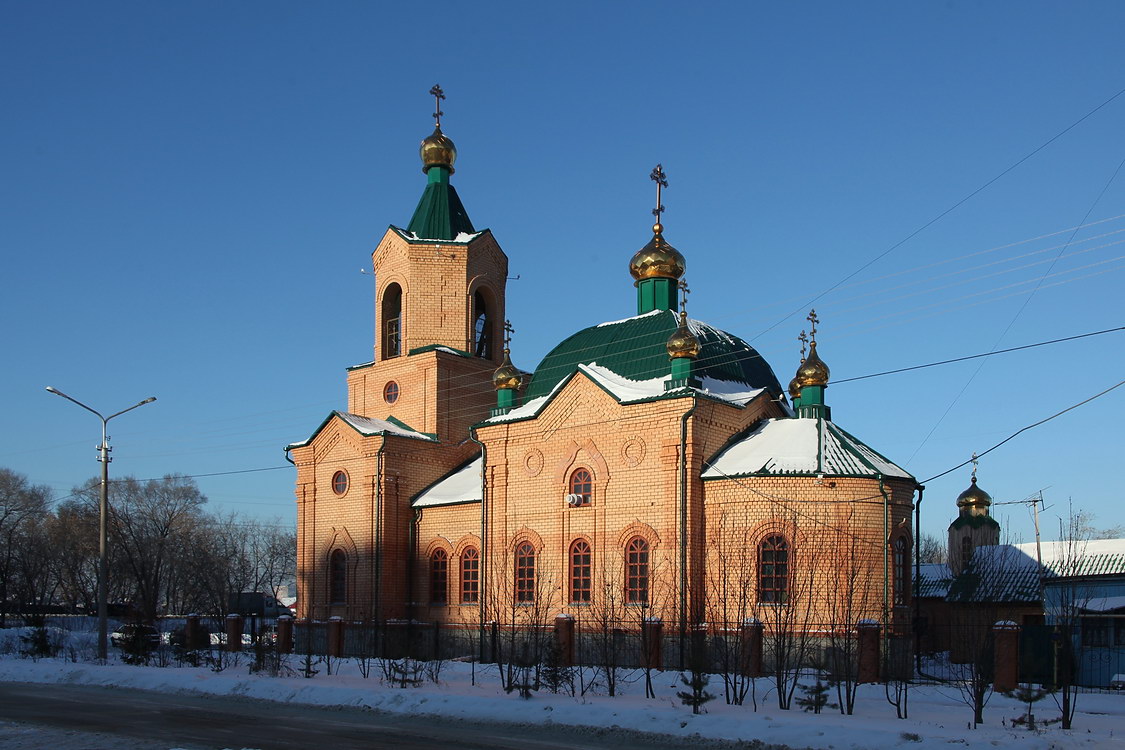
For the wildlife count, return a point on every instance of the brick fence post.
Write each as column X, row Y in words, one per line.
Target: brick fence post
column 564, row 639
column 867, row 632
column 192, row 636
column 750, row 647
column 1007, row 656
column 234, row 632
column 336, row 636
column 285, row 634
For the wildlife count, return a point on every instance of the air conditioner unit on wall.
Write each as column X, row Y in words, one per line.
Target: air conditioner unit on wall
column 573, row 499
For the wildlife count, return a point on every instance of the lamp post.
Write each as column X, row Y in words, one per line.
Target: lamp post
column 103, row 512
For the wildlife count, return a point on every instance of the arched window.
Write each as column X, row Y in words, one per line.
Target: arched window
column 470, row 576
column 525, row 574
column 482, row 327
column 773, row 570
column 439, row 577
column 581, row 487
column 636, row 571
column 902, row 570
column 338, row 577
column 392, row 321
column 581, row 578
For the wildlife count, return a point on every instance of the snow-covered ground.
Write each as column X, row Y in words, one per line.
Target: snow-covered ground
column 937, row 715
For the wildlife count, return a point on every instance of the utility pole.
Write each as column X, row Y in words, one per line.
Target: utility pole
column 103, row 524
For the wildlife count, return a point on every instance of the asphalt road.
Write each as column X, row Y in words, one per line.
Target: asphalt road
column 141, row 719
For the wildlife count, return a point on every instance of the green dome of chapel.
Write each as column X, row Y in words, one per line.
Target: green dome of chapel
column 636, row 348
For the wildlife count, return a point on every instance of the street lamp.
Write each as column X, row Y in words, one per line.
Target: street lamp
column 103, row 506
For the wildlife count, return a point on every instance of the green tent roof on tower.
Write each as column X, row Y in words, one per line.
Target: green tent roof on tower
column 636, row 348
column 440, row 214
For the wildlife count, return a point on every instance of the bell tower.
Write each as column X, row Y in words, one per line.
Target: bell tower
column 439, row 309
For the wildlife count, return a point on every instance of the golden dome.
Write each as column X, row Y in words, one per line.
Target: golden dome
column 974, row 497
column 506, row 376
column 437, row 150
column 682, row 342
column 794, row 389
column 812, row 371
column 657, row 259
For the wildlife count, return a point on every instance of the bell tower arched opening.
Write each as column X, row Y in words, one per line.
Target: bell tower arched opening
column 390, row 322
column 483, row 325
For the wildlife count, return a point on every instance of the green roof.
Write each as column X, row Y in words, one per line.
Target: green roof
column 973, row 522
column 440, row 215
column 635, row 348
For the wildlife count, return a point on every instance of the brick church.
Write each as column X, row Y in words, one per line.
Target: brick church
column 649, row 467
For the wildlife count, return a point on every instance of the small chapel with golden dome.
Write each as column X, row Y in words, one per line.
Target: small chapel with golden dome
column 649, row 468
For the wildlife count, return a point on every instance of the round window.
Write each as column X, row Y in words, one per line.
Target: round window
column 390, row 392
column 340, row 482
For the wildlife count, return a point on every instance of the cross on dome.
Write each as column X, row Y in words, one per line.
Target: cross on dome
column 684, row 292
column 438, row 95
column 661, row 181
column 811, row 317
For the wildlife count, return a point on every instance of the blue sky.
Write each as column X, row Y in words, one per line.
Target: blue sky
column 189, row 191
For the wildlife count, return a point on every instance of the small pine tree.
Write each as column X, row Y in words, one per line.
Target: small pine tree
column 137, row 643
column 815, row 697
column 696, row 695
column 37, row 642
column 1028, row 694
column 556, row 676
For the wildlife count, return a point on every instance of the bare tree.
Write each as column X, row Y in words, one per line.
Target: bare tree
column 786, row 609
column 521, row 605
column 1067, row 597
column 21, row 506
column 730, row 591
column 605, row 618
column 72, row 533
column 997, row 579
column 931, row 549
column 850, row 583
column 148, row 522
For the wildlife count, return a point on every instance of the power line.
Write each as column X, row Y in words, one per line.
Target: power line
column 1025, row 429
column 946, row 212
column 975, row 356
column 1019, row 312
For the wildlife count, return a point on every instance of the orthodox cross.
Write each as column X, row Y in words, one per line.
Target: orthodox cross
column 975, row 461
column 661, row 181
column 684, row 292
column 508, row 331
column 804, row 339
column 438, row 95
column 813, row 320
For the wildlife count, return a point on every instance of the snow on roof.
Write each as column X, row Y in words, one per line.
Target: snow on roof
column 800, row 446
column 934, row 580
column 1083, row 557
column 998, row 573
column 525, row 411
column 372, row 426
column 367, row 426
column 464, row 485
column 626, row 320
column 1010, row 572
column 461, row 238
column 629, row 391
column 725, row 390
